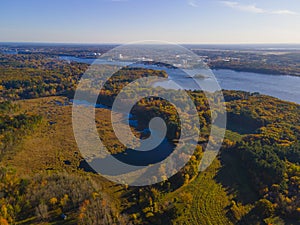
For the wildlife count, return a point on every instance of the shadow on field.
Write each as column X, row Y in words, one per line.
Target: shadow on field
column 234, row 178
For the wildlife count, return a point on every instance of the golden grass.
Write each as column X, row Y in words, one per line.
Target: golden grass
column 53, row 144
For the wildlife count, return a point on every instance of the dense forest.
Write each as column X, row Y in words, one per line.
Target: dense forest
column 254, row 180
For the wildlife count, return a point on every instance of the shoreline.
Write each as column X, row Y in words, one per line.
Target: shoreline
column 273, row 73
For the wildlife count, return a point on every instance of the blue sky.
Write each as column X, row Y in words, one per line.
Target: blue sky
column 179, row 21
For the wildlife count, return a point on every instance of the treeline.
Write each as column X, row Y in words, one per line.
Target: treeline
column 54, row 197
column 32, row 76
column 274, row 171
column 256, row 67
column 270, row 152
column 264, row 62
column 113, row 86
column 14, row 125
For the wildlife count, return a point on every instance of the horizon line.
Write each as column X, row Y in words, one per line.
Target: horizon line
column 179, row 43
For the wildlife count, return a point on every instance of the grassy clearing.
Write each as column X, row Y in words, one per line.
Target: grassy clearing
column 214, row 192
column 210, row 200
column 209, row 203
column 52, row 144
column 52, row 148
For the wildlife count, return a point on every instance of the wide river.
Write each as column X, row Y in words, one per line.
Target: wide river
column 280, row 86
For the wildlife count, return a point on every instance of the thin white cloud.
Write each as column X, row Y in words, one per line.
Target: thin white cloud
column 252, row 8
column 247, row 8
column 193, row 3
column 284, row 12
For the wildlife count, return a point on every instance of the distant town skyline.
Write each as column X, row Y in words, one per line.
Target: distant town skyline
column 122, row 21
